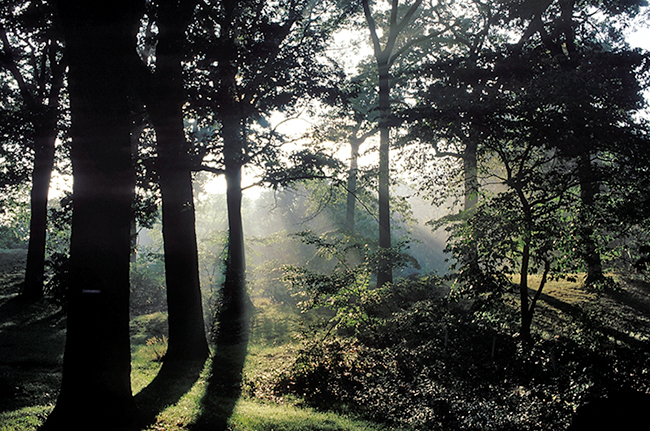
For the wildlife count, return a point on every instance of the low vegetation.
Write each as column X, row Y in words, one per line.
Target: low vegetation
column 419, row 361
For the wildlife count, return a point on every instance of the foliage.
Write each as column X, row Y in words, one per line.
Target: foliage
column 158, row 346
column 148, row 292
column 56, row 286
column 345, row 288
column 431, row 364
column 14, row 220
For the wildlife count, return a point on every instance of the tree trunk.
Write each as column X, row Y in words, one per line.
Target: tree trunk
column 470, row 170
column 234, row 313
column 384, row 272
column 352, row 185
column 187, row 341
column 41, row 175
column 526, row 313
column 231, row 341
column 588, row 190
column 96, row 388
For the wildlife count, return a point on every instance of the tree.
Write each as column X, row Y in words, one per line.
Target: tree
column 39, row 73
column 96, row 388
column 259, row 60
column 351, row 120
column 396, row 42
column 569, row 32
column 164, row 97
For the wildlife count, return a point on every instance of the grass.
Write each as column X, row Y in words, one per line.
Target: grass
column 563, row 309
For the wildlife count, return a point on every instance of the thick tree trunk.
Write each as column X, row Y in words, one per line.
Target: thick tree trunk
column 187, row 341
column 588, row 190
column 41, row 175
column 384, row 272
column 96, row 388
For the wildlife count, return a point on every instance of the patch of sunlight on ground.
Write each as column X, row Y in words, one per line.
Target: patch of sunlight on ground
column 25, row 419
column 253, row 415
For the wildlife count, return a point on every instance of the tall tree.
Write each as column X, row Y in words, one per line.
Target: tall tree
column 96, row 387
column 397, row 40
column 164, row 98
column 351, row 120
column 260, row 60
column 38, row 72
column 569, row 32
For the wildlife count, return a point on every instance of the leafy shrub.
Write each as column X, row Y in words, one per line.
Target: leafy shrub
column 9, row 239
column 148, row 287
column 57, row 267
column 423, row 362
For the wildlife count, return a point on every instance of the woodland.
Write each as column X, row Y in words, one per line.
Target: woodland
column 324, row 215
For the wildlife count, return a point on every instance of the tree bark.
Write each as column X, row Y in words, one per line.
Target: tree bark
column 352, row 185
column 384, row 272
column 470, row 171
column 187, row 340
column 96, row 388
column 234, row 313
column 588, row 190
column 526, row 313
column 41, row 175
column 44, row 117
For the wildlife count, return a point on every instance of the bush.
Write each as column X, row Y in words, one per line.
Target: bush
column 57, row 267
column 431, row 364
column 148, row 287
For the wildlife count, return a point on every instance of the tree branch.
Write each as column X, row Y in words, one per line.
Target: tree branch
column 372, row 26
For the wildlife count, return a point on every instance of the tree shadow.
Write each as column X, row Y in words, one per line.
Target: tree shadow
column 224, row 383
column 174, row 380
column 223, row 388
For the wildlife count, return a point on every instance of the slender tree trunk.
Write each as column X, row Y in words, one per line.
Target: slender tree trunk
column 231, row 340
column 41, row 175
column 234, row 313
column 470, row 170
column 187, row 341
column 96, row 387
column 588, row 190
column 385, row 272
column 352, row 185
column 526, row 313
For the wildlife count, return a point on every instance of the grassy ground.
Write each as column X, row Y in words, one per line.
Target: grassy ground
column 31, row 352
column 32, row 338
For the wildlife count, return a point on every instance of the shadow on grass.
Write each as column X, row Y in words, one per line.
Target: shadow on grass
column 174, row 380
column 223, row 388
column 224, row 382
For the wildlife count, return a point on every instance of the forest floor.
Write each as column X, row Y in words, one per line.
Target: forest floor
column 32, row 338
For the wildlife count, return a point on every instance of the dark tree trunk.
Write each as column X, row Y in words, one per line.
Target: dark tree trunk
column 384, row 272
column 41, row 175
column 231, row 340
column 352, row 185
column 234, row 314
column 187, row 341
column 525, row 311
column 470, row 171
column 44, row 117
column 96, row 388
column 588, row 190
